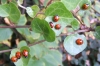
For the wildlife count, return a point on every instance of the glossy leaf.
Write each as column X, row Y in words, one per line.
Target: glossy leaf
column 41, row 26
column 70, row 44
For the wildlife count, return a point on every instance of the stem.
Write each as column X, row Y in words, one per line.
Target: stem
column 78, row 31
column 26, row 26
column 20, row 5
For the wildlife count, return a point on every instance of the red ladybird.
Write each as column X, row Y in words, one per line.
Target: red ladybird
column 51, row 24
column 79, row 41
column 18, row 54
column 14, row 59
column 25, row 53
column 85, row 6
column 57, row 26
column 56, row 18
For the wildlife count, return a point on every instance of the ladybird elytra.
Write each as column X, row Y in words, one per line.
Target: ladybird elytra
column 25, row 53
column 79, row 41
column 51, row 24
column 14, row 59
column 85, row 6
column 56, row 18
column 18, row 55
column 57, row 26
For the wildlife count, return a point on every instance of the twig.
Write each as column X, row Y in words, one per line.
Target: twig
column 26, row 26
column 74, row 14
column 78, row 31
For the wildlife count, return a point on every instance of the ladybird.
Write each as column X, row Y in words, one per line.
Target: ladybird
column 51, row 24
column 25, row 53
column 14, row 59
column 56, row 18
column 57, row 26
column 18, row 54
column 85, row 6
column 79, row 41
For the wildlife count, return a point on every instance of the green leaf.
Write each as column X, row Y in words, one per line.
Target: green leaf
column 5, row 33
column 13, row 52
column 36, row 9
column 3, row 1
column 57, row 56
column 25, row 48
column 75, row 24
column 36, row 63
column 96, row 6
column 86, row 21
column 38, row 50
column 29, row 11
column 97, row 32
column 50, row 44
column 58, row 8
column 47, row 60
column 21, row 44
column 41, row 26
column 63, row 21
column 22, row 20
column 70, row 5
column 11, row 11
column 23, row 31
column 70, row 44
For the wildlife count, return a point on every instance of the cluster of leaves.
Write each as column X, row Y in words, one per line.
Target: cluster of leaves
column 41, row 54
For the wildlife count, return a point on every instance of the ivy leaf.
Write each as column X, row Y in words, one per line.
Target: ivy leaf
column 97, row 32
column 86, row 21
column 41, row 26
column 11, row 11
column 70, row 4
column 70, row 44
column 5, row 34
